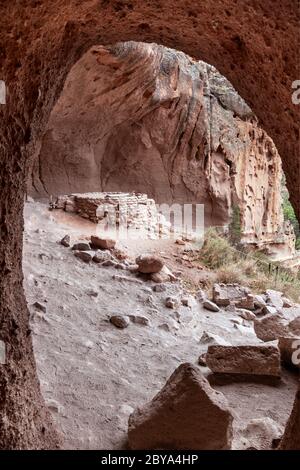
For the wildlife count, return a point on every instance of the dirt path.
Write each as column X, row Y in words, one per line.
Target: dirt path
column 92, row 374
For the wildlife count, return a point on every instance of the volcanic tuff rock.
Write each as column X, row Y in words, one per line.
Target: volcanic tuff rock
column 148, row 263
column 41, row 42
column 227, row 294
column 291, row 438
column 151, row 119
column 273, row 326
column 186, row 414
column 249, row 360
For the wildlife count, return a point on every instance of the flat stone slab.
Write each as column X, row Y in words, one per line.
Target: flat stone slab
column 271, row 327
column 247, row 360
column 227, row 294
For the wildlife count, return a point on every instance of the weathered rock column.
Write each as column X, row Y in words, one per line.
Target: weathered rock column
column 25, row 423
column 291, row 437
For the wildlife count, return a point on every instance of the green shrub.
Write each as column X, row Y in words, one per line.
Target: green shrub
column 235, row 230
column 216, row 250
column 289, row 214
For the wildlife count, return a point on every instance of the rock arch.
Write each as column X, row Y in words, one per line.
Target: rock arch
column 255, row 44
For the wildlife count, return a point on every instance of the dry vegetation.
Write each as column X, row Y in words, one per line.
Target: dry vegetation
column 233, row 266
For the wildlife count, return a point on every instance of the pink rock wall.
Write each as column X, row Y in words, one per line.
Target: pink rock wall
column 143, row 117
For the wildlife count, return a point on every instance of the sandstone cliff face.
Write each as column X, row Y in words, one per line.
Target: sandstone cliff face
column 143, row 117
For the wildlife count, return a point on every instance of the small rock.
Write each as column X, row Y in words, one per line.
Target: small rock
column 40, row 307
column 133, row 268
column 269, row 309
column 246, row 314
column 119, row 321
column 287, row 303
column 236, row 321
column 171, row 302
column 247, row 360
column 211, row 306
column 118, row 277
column 120, row 254
column 66, row 241
column 126, row 409
column 186, row 302
column 92, row 293
column 121, row 266
column 159, row 278
column 102, row 256
column 139, row 320
column 200, row 295
column 149, row 264
column 81, row 246
column 202, row 360
column 231, row 308
column 84, row 256
column 259, row 301
column 165, row 327
column 179, row 241
column 54, row 406
column 159, row 288
column 109, row 263
column 103, row 243
column 211, row 338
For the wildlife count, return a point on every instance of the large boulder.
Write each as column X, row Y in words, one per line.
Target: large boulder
column 103, row 243
column 291, row 437
column 149, row 263
column 271, row 327
column 274, row 326
column 246, row 360
column 186, row 414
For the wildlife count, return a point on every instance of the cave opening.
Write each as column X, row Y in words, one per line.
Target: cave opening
column 133, row 120
column 40, row 41
column 143, row 118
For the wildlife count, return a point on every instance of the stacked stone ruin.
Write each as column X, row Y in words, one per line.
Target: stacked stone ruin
column 118, row 209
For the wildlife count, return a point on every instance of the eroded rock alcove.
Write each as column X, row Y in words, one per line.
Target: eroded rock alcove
column 146, row 118
column 40, row 41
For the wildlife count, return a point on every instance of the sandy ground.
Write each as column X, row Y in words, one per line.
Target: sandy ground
column 92, row 374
